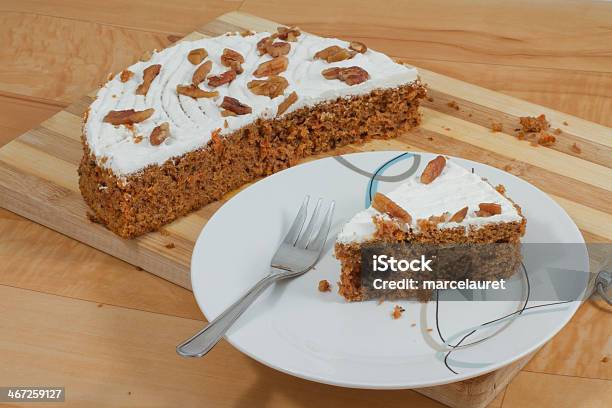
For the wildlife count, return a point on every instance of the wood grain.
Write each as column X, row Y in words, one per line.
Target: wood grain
column 28, row 64
column 494, row 32
column 580, row 352
column 20, row 113
column 42, row 260
column 177, row 17
column 556, row 391
column 580, row 93
column 445, row 39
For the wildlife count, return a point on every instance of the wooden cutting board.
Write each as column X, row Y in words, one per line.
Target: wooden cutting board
column 38, row 178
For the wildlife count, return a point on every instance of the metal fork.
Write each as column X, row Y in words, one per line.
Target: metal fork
column 296, row 255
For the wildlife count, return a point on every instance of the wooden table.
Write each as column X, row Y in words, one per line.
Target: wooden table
column 75, row 317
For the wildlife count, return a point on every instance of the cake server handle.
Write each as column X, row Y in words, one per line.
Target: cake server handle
column 203, row 341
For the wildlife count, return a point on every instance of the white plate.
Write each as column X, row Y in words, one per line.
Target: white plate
column 318, row 336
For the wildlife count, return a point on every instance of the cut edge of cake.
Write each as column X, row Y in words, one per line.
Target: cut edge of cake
column 445, row 205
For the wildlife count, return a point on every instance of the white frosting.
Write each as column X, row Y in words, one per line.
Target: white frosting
column 192, row 121
column 454, row 189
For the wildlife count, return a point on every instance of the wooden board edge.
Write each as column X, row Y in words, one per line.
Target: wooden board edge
column 87, row 232
column 477, row 392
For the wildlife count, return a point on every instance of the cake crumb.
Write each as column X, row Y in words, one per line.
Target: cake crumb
column 605, row 359
column 446, row 128
column 534, row 124
column 469, row 115
column 397, row 312
column 225, row 124
column 164, row 232
column 501, row 189
column 565, row 123
column 138, row 268
column 576, row 148
column 453, row 104
column 521, row 136
column 507, row 167
column 92, row 217
column 170, row 245
column 430, row 138
column 496, row 127
column 100, row 304
column 557, row 131
column 429, row 329
column 546, row 139
column 430, row 99
column 324, row 286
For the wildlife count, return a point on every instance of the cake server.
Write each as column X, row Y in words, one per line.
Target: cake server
column 296, row 255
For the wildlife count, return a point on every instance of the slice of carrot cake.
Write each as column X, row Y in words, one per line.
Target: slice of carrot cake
column 191, row 123
column 446, row 205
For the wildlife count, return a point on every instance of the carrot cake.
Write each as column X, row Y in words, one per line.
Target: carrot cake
column 445, row 205
column 170, row 134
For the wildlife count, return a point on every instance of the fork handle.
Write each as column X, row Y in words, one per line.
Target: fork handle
column 203, row 341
